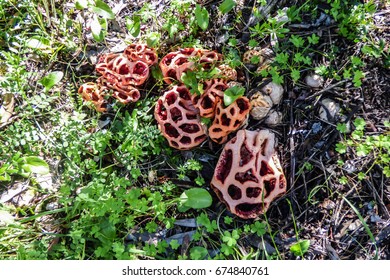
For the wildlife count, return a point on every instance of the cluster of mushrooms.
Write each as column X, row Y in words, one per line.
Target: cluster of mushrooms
column 248, row 175
column 179, row 113
column 121, row 74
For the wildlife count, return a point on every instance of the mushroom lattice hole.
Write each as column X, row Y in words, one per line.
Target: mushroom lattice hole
column 248, row 210
column 248, row 176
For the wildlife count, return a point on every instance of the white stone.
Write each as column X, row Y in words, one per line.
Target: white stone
column 45, row 181
column 6, row 218
column 314, row 81
column 274, row 118
column 328, row 106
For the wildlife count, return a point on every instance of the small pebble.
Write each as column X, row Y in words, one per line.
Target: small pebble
column 314, row 81
column 328, row 110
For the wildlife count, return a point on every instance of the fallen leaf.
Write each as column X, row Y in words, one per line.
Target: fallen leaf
column 7, row 108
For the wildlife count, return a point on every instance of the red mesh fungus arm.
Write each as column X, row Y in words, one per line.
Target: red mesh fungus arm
column 123, row 93
column 141, row 52
column 248, row 175
column 116, row 68
column 207, row 102
column 178, row 119
column 174, row 64
column 209, row 58
column 94, row 93
column 228, row 119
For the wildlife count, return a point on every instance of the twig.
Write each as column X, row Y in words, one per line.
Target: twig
column 328, row 88
column 292, row 147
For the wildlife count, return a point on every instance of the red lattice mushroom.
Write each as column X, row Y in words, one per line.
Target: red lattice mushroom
column 248, row 175
column 178, row 119
column 208, row 58
column 121, row 73
column 123, row 93
column 228, row 119
column 117, row 69
column 141, row 52
column 174, row 64
column 94, row 93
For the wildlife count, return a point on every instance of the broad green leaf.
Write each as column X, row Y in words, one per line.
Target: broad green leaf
column 157, row 73
column 81, row 4
column 196, row 198
column 134, row 25
column 51, row 79
column 202, row 17
column 5, row 177
column 231, row 94
column 174, row 244
column 97, row 28
column 189, row 79
column 206, row 121
column 35, row 164
column 182, row 208
column 103, row 10
column 386, row 171
column 300, row 248
column 37, row 42
column 226, row 6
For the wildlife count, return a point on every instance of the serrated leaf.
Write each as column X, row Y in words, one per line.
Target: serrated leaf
column 341, row 127
column 196, row 198
column 359, row 123
column 103, row 10
column 202, row 17
column 295, row 75
column 198, row 253
column 35, row 164
column 300, row 248
column 51, row 79
column 226, row 6
column 341, row 148
column 232, row 94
